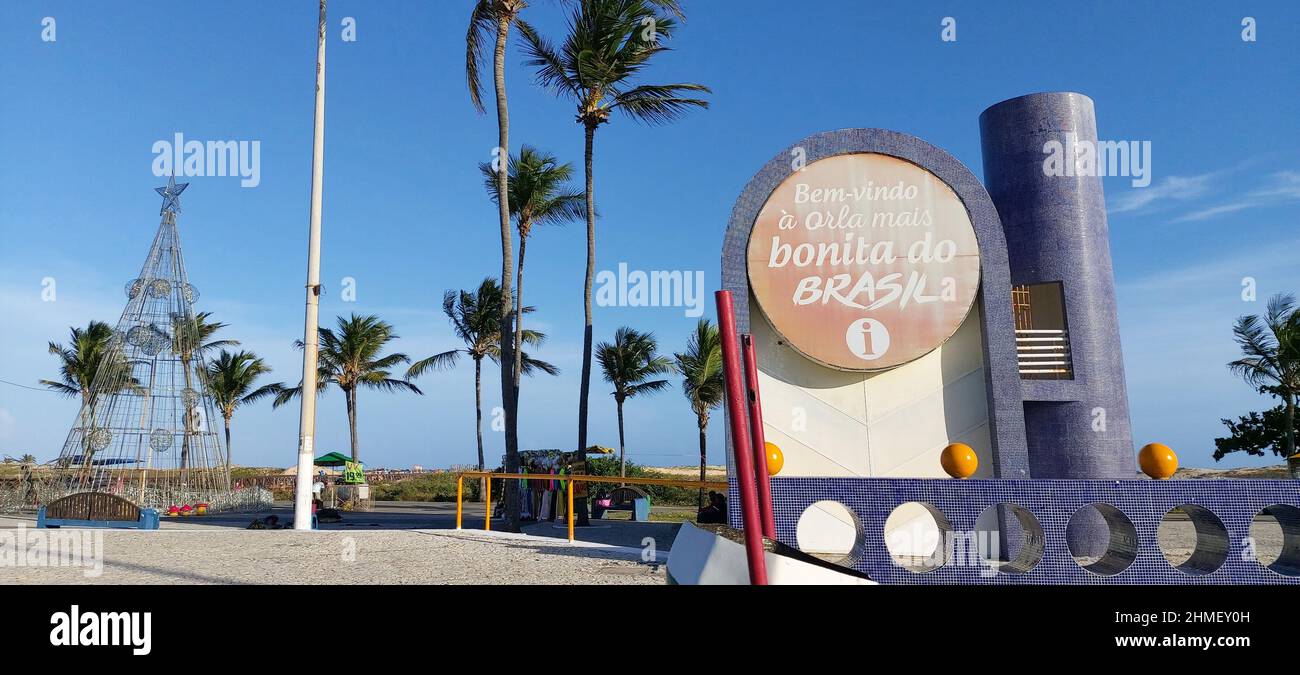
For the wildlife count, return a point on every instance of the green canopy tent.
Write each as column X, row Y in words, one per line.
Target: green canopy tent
column 353, row 473
column 332, row 459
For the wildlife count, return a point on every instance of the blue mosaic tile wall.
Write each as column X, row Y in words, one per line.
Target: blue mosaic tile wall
column 1056, row 231
column 1052, row 502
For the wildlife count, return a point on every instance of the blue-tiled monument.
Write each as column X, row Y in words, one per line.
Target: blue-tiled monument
column 899, row 305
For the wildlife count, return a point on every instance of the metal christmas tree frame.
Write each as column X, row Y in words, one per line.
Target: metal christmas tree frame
column 147, row 431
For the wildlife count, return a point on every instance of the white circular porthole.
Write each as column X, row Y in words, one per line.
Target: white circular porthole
column 831, row 531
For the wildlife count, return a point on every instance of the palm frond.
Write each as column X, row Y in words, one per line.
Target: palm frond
column 649, row 387
column 61, row 388
column 436, row 362
column 381, row 381
column 659, row 104
column 529, row 365
column 551, row 70
column 262, row 392
column 482, row 24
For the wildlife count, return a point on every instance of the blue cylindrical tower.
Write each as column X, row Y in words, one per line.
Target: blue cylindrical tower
column 1072, row 370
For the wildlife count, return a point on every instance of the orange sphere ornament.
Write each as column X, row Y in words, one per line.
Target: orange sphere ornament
column 775, row 458
column 1157, row 461
column 959, row 460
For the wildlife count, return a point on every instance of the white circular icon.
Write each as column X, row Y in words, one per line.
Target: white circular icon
column 868, row 339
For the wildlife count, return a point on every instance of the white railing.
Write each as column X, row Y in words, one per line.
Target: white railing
column 1044, row 353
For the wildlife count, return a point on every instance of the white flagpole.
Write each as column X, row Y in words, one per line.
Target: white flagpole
column 307, row 420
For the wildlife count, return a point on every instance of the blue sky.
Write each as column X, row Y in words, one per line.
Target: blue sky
column 405, row 215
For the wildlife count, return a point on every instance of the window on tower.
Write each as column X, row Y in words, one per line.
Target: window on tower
column 1042, row 332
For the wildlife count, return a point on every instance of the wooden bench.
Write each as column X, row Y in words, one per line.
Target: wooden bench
column 96, row 509
column 629, row 498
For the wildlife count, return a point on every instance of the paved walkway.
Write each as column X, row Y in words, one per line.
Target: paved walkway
column 397, row 543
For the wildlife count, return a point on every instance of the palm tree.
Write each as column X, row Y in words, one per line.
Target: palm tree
column 538, row 194
column 474, row 319
column 489, row 18
column 28, row 459
column 350, row 358
column 1270, row 347
column 90, row 367
column 609, row 43
column 701, row 367
column 230, row 379
column 87, row 351
column 190, row 341
column 628, row 364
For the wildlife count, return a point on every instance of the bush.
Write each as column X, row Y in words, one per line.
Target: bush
column 436, row 487
column 662, row 495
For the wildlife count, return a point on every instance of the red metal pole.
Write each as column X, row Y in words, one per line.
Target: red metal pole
column 756, row 436
column 740, row 446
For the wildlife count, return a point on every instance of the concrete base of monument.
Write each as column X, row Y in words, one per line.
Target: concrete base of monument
column 706, row 557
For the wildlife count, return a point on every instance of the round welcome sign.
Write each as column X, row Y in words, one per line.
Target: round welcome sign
column 864, row 261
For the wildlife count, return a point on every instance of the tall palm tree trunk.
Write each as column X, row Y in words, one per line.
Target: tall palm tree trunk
column 1290, row 423
column 478, row 420
column 507, row 269
column 519, row 317
column 622, row 459
column 585, row 387
column 351, row 398
column 227, row 419
column 580, row 505
column 703, row 455
column 185, row 421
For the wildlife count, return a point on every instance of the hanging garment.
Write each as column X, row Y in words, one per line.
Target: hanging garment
column 545, row 512
column 525, row 502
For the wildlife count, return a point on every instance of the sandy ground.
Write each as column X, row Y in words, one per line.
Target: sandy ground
column 693, row 472
column 1277, row 472
column 398, row 543
column 229, row 556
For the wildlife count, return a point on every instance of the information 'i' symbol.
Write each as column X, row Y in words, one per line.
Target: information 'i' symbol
column 868, row 339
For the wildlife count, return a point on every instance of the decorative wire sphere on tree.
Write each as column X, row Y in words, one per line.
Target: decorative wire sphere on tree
column 159, row 288
column 191, row 293
column 133, row 288
column 160, row 440
column 148, row 339
column 98, row 439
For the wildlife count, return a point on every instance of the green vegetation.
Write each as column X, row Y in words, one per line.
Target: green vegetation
column 628, row 364
column 701, row 369
column 82, row 359
column 475, row 318
column 230, row 380
column 604, row 52
column 660, row 495
column 441, row 487
column 436, row 487
column 538, row 195
column 190, row 341
column 349, row 358
column 491, row 18
column 1255, row 433
column 1270, row 362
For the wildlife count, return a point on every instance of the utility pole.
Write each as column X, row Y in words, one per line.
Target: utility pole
column 310, row 339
